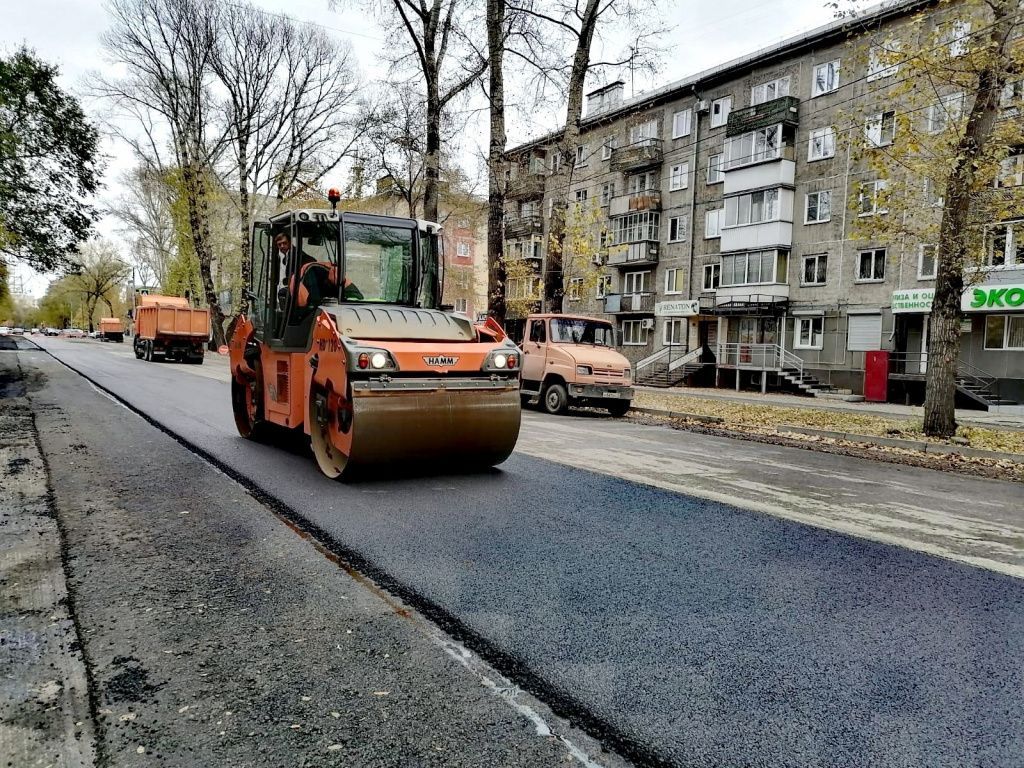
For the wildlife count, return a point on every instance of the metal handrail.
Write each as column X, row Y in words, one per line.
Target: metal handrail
column 690, row 357
column 650, row 360
column 790, row 360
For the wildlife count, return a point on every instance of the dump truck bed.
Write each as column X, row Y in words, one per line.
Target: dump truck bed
column 163, row 321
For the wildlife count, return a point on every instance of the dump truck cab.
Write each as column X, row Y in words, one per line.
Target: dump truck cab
column 569, row 360
column 346, row 341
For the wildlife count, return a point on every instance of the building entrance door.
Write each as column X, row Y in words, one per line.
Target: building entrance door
column 911, row 343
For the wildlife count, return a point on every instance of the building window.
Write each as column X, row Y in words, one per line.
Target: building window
column 880, row 129
column 679, row 177
column 678, row 228
column 715, row 173
column 1012, row 95
column 957, row 37
column 754, row 268
column 815, row 269
column 642, row 182
column 720, row 109
column 681, row 123
column 643, row 131
column 634, row 334
column 462, row 250
column 932, row 196
column 582, row 155
column 674, row 333
column 926, row 262
column 555, row 162
column 809, row 333
column 537, row 165
column 462, row 305
column 883, row 60
column 575, row 289
column 826, row 78
column 1004, row 332
column 636, row 282
column 581, row 195
column 752, row 208
column 1004, row 245
column 822, row 143
column 712, row 276
column 606, row 148
column 872, row 198
column 607, row 192
column 713, row 223
column 635, row 227
column 523, row 288
column 773, row 89
column 674, row 280
column 754, row 147
column 948, row 110
column 604, row 286
column 871, row 266
column 818, row 208
column 1011, row 170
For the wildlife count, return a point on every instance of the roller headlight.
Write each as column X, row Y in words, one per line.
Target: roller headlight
column 371, row 359
column 584, row 370
column 500, row 361
column 378, row 360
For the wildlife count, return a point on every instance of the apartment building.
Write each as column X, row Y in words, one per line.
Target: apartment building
column 730, row 204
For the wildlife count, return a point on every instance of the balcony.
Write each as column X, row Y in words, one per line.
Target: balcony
column 636, row 156
column 526, row 185
column 629, row 303
column 785, row 110
column 642, row 254
column 523, row 226
column 648, row 200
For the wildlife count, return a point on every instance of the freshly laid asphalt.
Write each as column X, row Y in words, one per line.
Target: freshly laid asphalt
column 683, row 631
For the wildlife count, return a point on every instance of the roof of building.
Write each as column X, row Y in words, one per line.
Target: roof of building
column 729, row 69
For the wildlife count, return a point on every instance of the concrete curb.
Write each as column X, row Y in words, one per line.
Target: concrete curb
column 679, row 415
column 911, row 445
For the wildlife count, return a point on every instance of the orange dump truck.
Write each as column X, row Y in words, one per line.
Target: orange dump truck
column 111, row 329
column 167, row 328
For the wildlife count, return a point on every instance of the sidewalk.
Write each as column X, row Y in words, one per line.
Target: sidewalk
column 887, row 410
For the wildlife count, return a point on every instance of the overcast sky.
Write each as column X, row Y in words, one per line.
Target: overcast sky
column 67, row 32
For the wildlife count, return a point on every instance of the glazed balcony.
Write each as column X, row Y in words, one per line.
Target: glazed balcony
column 637, row 156
column 629, row 303
column 784, row 110
column 642, row 254
column 523, row 226
column 648, row 200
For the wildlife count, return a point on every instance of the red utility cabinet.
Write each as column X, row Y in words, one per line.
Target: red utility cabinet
column 876, row 376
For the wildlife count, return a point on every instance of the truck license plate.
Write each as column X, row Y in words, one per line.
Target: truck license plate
column 611, row 393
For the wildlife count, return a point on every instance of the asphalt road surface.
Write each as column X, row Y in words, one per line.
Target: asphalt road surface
column 681, row 630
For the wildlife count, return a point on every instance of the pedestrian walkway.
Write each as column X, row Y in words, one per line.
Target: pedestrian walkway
column 891, row 410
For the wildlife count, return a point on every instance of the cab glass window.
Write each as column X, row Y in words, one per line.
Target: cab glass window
column 379, row 263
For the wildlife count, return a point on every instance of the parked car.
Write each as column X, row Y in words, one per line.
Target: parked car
column 52, row 332
column 34, row 330
column 75, row 333
column 18, row 331
column 4, row 330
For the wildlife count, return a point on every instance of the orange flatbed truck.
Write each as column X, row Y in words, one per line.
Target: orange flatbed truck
column 167, row 328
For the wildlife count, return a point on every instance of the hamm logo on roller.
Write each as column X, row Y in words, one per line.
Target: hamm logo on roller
column 440, row 361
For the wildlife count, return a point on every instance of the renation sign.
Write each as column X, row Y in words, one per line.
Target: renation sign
column 686, row 308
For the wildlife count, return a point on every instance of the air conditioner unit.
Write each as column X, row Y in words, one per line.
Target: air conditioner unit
column 648, row 324
column 703, row 105
column 598, row 260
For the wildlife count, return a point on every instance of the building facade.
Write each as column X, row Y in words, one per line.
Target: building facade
column 731, row 207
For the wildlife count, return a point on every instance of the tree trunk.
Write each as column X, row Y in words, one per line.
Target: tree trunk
column 495, row 162
column 199, row 225
column 944, row 331
column 246, row 224
column 432, row 161
column 554, row 288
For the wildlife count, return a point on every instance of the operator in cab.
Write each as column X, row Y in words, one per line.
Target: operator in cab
column 317, row 279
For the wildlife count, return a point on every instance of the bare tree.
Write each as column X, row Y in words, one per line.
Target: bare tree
column 97, row 276
column 167, row 47
column 145, row 211
column 444, row 53
column 394, row 149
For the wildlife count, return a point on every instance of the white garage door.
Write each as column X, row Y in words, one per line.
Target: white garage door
column 865, row 333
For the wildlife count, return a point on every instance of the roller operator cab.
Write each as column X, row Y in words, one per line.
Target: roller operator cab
column 346, row 340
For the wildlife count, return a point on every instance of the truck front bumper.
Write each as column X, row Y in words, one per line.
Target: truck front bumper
column 600, row 392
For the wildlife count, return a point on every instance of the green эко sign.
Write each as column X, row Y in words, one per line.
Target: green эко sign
column 993, row 298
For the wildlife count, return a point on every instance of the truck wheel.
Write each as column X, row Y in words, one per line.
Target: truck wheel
column 618, row 408
column 138, row 350
column 556, row 399
column 247, row 405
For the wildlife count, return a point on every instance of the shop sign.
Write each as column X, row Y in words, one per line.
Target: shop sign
column 993, row 298
column 687, row 308
column 915, row 300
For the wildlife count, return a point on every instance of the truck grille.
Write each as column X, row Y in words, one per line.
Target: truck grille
column 609, row 373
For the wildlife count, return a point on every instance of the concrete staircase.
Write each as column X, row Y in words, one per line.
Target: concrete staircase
column 983, row 389
column 810, row 385
column 661, row 370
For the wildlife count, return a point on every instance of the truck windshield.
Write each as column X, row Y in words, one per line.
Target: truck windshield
column 379, row 264
column 576, row 331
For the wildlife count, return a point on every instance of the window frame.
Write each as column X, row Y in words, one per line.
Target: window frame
column 677, row 134
column 631, row 277
column 574, row 291
column 683, row 176
column 643, row 332
column 582, row 195
column 685, row 227
column 827, row 136
column 603, row 287
column 876, row 186
column 719, row 214
column 465, row 305
column 874, row 253
column 807, row 207
column 819, row 260
column 459, row 246
column 836, row 65
column 1012, row 167
column 715, row 272
column 609, row 144
column 671, row 322
column 920, row 261
column 878, row 70
column 674, row 272
column 815, row 339
column 776, row 82
column 768, row 197
column 1008, row 320
column 718, row 168
column 724, row 105
column 1011, row 230
column 879, row 119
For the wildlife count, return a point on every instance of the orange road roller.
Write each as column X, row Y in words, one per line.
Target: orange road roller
column 346, row 341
